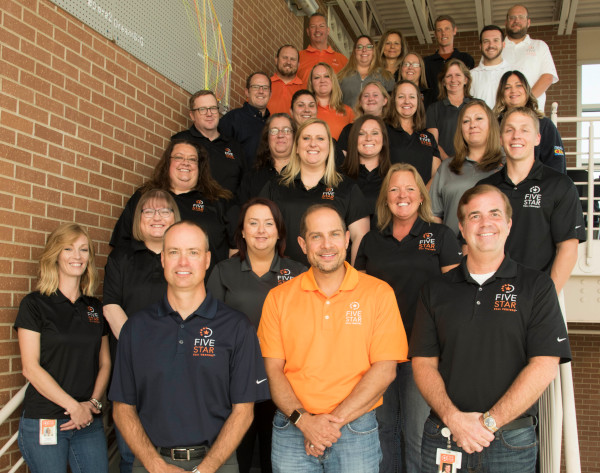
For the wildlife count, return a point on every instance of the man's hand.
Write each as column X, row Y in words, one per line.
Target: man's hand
column 468, row 431
column 160, row 466
column 319, row 431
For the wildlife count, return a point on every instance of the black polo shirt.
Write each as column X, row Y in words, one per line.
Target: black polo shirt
column 444, row 116
column 233, row 282
column 245, row 125
column 253, row 182
column 485, row 335
column 406, row 265
column 295, row 199
column 417, row 149
column 70, row 340
column 212, row 215
column 184, row 375
column 434, row 64
column 227, row 162
column 369, row 183
column 546, row 211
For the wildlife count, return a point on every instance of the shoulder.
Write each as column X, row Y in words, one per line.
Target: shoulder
column 293, row 265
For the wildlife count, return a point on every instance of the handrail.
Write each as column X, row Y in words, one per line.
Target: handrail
column 10, row 407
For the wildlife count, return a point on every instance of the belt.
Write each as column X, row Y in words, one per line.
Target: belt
column 519, row 423
column 184, row 453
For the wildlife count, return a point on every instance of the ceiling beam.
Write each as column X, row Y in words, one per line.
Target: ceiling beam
column 415, row 21
column 487, row 12
column 422, row 15
column 479, row 14
column 571, row 18
column 564, row 14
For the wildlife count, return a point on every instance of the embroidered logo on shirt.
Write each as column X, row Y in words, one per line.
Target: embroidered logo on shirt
column 93, row 316
column 283, row 276
column 198, row 206
column 328, row 193
column 558, row 151
column 229, row 154
column 205, row 345
column 354, row 315
column 506, row 299
column 533, row 199
column 425, row 140
column 427, row 242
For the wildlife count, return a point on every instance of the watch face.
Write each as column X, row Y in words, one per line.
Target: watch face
column 295, row 417
column 489, row 422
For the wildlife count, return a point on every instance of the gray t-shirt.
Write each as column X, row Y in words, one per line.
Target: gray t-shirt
column 353, row 84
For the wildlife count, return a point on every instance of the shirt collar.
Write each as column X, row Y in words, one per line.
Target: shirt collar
column 507, row 269
column 295, row 81
column 208, row 308
column 527, row 40
column 255, row 112
column 275, row 264
column 535, row 173
column 415, row 230
column 446, row 101
column 502, row 65
column 350, row 281
column 329, row 50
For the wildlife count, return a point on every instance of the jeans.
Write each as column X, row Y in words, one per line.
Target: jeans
column 356, row 451
column 512, row 451
column 127, row 456
column 401, row 418
column 84, row 450
column 230, row 466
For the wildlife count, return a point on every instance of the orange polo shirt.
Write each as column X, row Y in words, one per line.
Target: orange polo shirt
column 310, row 56
column 335, row 120
column 281, row 94
column 329, row 343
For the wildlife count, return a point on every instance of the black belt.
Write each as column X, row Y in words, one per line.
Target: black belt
column 519, row 423
column 184, row 453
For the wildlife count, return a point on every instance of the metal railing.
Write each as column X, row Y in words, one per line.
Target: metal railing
column 10, row 407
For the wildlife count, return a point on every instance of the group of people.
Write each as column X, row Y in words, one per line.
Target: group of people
column 359, row 268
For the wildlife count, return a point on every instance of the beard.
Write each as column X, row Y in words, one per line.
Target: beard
column 516, row 34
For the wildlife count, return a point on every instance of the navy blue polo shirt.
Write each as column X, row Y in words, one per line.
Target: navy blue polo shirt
column 417, row 149
column 406, row 265
column 484, row 335
column 546, row 211
column 184, row 375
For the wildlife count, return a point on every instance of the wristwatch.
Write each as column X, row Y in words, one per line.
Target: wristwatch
column 295, row 415
column 489, row 422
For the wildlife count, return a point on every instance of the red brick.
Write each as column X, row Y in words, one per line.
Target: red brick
column 48, row 104
column 47, row 134
column 86, row 218
column 20, row 60
column 63, row 125
column 15, row 155
column 79, row 33
column 65, row 68
column 92, row 55
column 89, row 135
column 19, row 27
column 29, row 176
column 67, row 40
column 45, row 194
column 103, row 101
column 37, row 22
column 67, row 98
column 55, row 182
column 32, row 144
column 35, row 113
column 60, row 154
column 75, row 202
column 9, row 71
column 29, row 207
column 79, row 61
column 52, row 16
column 87, row 191
column 16, row 122
column 61, row 213
column 33, row 51
column 107, row 51
column 79, row 88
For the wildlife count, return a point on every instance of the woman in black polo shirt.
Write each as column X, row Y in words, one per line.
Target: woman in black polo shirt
column 184, row 171
column 63, row 339
column 311, row 178
column 243, row 282
column 409, row 141
column 405, row 250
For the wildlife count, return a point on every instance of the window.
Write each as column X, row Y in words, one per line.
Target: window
column 590, row 107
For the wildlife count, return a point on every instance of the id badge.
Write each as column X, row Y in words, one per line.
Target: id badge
column 48, row 432
column 448, row 460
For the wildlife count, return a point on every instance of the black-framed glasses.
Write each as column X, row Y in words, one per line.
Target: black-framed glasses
column 204, row 110
column 263, row 88
column 164, row 212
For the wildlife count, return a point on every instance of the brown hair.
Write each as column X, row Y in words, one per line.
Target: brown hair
column 152, row 194
column 263, row 152
column 351, row 164
column 501, row 106
column 381, row 44
column 358, row 110
column 473, row 192
column 200, row 93
column 422, row 76
column 419, row 118
column 313, row 208
column 335, row 98
column 351, row 65
column 442, row 75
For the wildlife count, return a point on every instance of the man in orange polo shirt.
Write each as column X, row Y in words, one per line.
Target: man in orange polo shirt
column 331, row 339
column 284, row 83
column 318, row 50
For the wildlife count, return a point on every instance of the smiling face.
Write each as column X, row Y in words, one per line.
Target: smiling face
column 260, row 231
column 313, row 146
column 475, row 126
column 321, row 81
column 455, row 80
column 406, row 99
column 515, row 94
column 287, row 62
column 392, row 48
column 444, row 33
column 411, row 69
column 318, row 32
column 517, row 22
column 72, row 261
column 364, row 55
column 519, row 137
column 372, row 100
column 281, row 143
column 259, row 93
column 491, row 44
column 370, row 140
column 304, row 107
column 403, row 196
column 183, row 173
column 153, row 228
column 209, row 122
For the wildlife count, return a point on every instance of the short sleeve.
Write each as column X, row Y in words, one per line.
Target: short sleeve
column 214, row 285
column 547, row 63
column 122, row 388
column 551, row 151
column 269, row 330
column 29, row 316
column 567, row 218
column 423, row 339
column 122, row 232
column 357, row 205
column 437, row 204
column 361, row 258
column 112, row 292
column 432, row 116
column 450, row 253
column 389, row 337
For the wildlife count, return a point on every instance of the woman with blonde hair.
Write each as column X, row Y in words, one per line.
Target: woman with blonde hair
column 391, row 48
column 405, row 250
column 362, row 67
column 323, row 82
column 63, row 339
column 310, row 178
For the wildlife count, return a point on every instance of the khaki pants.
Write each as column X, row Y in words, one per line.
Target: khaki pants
column 230, row 466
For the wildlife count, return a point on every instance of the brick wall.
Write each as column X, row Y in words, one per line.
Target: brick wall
column 564, row 52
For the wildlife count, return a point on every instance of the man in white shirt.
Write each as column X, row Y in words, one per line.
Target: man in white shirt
column 530, row 56
column 486, row 76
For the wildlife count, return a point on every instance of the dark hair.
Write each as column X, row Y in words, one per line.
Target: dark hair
column 473, row 192
column 501, row 107
column 444, row 18
column 442, row 75
column 240, row 242
column 286, row 46
column 263, row 153
column 210, row 188
column 257, row 73
column 190, row 223
column 419, row 118
column 351, row 164
column 491, row 28
column 200, row 93
column 299, row 93
column 313, row 208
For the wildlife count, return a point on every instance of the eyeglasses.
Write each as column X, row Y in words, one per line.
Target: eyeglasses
column 181, row 160
column 393, row 43
column 150, row 213
column 411, row 64
column 262, row 88
column 517, row 17
column 360, row 47
column 285, row 130
column 204, row 110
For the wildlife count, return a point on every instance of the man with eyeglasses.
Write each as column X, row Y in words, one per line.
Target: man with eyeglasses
column 188, row 369
column 318, row 49
column 445, row 31
column 530, row 56
column 227, row 163
column 486, row 76
column 245, row 124
column 285, row 82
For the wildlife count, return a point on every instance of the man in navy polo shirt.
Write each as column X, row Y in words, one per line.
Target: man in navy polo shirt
column 487, row 339
column 188, row 369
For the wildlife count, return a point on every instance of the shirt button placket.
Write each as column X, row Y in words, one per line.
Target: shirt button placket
column 327, row 320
